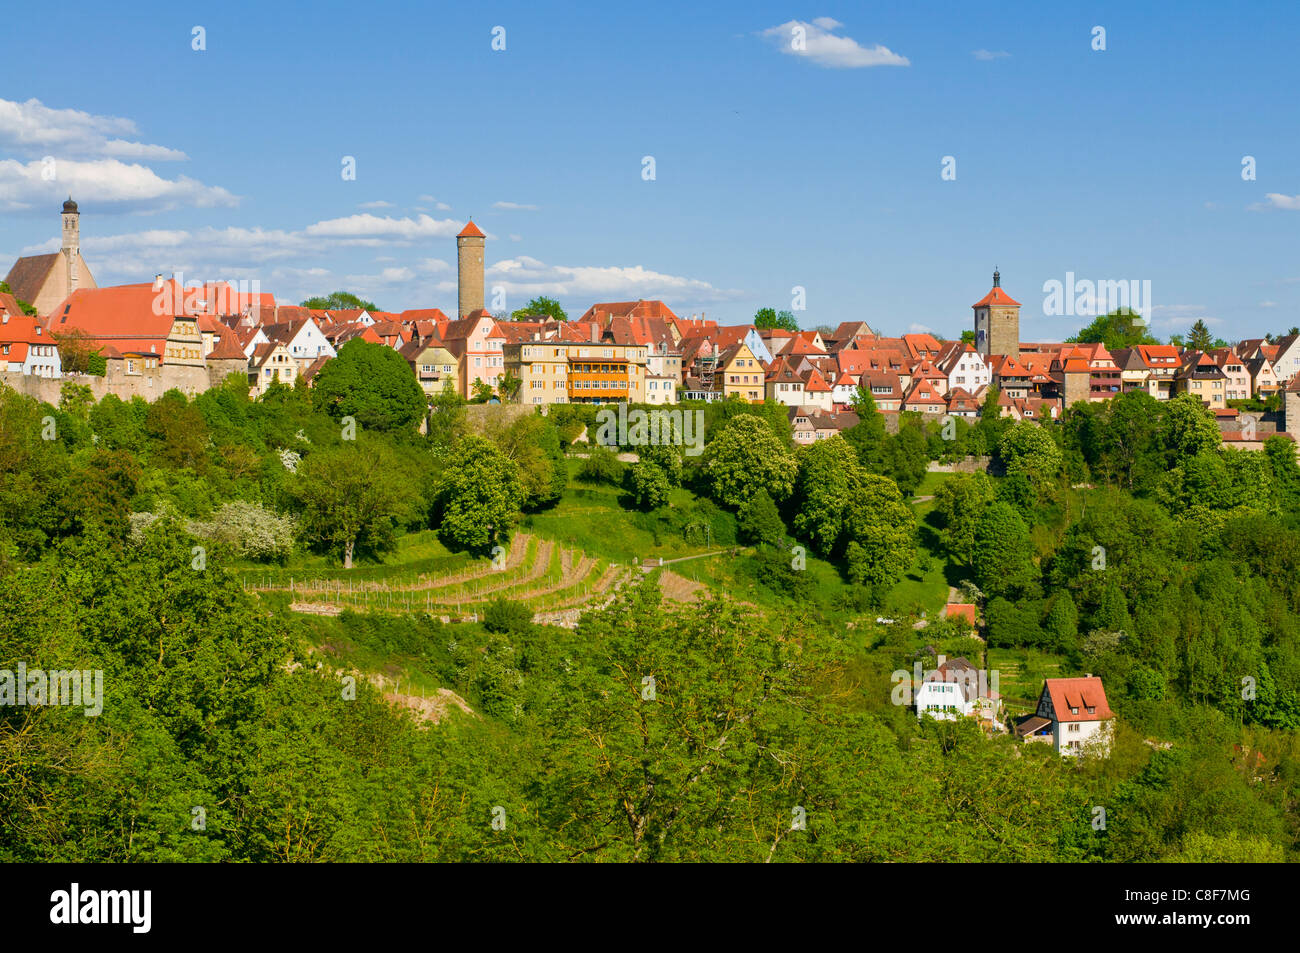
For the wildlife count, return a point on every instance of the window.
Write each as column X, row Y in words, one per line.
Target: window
column 1074, row 711
column 1092, row 709
column 1074, row 727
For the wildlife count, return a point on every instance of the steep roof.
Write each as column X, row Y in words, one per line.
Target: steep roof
column 1081, row 693
column 605, row 310
column 996, row 297
column 227, row 349
column 471, row 231
column 123, row 315
column 27, row 276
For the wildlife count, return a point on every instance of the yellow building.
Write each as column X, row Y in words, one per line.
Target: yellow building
column 741, row 373
column 561, row 372
column 1201, row 377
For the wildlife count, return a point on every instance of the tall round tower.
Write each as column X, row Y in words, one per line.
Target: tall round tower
column 71, row 242
column 470, row 244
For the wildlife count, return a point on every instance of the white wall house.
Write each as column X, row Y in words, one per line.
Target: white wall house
column 306, row 342
column 965, row 368
column 26, row 347
column 1074, row 714
column 956, row 689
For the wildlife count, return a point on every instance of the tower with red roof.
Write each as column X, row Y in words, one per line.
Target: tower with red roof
column 997, row 321
column 470, row 245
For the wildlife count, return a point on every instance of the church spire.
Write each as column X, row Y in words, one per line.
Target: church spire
column 997, row 277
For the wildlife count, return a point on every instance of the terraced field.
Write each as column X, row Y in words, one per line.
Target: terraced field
column 557, row 583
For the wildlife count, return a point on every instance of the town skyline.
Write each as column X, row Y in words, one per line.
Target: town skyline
column 743, row 131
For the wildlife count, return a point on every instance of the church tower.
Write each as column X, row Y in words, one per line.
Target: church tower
column 469, row 269
column 71, row 242
column 997, row 321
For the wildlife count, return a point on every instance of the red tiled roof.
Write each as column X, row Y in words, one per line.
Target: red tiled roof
column 1081, row 693
column 471, row 231
column 227, row 349
column 962, row 610
column 996, row 296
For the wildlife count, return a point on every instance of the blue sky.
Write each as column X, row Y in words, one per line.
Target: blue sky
column 774, row 168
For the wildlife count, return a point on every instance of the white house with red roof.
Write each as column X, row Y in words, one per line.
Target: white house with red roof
column 924, row 398
column 1074, row 715
column 25, row 346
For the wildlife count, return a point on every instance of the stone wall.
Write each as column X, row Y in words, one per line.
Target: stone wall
column 188, row 380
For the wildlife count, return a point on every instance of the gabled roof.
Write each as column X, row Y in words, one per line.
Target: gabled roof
column 314, row 368
column 605, row 310
column 923, row 392
column 127, row 316
column 921, row 345
column 1081, row 693
column 780, row 372
column 27, row 276
column 814, row 382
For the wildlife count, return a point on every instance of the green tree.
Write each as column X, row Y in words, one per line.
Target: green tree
column 1002, row 562
column 479, row 495
column 880, row 531
column 746, row 456
column 1121, row 328
column 1029, row 449
column 766, row 318
column 1062, row 622
column 371, row 383
column 1189, row 427
column 828, row 472
column 1199, row 337
column 959, row 502
column 351, row 496
column 647, row 486
column 339, row 301
column 867, row 436
column 540, row 307
column 759, row 522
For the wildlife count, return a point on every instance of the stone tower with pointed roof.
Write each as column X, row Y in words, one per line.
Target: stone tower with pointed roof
column 997, row 321
column 44, row 281
column 469, row 269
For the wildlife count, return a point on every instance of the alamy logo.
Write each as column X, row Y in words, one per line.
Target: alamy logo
column 1084, row 298
column 640, row 428
column 181, row 297
column 72, row 687
column 102, row 906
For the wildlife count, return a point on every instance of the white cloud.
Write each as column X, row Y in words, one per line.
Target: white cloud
column 817, row 42
column 388, row 276
column 528, row 276
column 987, row 55
column 367, row 225
column 515, row 206
column 1268, row 304
column 107, row 183
column 917, row 328
column 34, row 129
column 1276, row 200
column 516, row 238
column 430, row 200
column 379, row 203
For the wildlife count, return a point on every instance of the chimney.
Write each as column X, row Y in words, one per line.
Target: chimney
column 157, row 282
column 595, row 333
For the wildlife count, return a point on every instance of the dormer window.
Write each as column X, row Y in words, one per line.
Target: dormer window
column 1074, row 711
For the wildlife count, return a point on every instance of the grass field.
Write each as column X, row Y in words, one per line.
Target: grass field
column 1020, row 675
